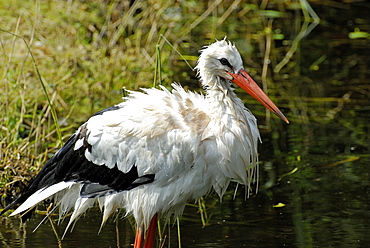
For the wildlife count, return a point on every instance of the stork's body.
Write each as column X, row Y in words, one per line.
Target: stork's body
column 158, row 149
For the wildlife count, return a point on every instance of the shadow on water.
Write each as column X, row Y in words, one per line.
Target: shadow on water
column 314, row 183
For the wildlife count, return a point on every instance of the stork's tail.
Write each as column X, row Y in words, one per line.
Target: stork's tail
column 29, row 200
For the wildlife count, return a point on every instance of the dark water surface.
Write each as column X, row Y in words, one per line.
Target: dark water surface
column 315, row 173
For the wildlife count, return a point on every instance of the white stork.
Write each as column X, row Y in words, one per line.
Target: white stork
column 158, row 149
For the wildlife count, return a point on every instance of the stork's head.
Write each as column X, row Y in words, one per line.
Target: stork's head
column 220, row 62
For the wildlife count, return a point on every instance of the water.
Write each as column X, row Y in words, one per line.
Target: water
column 326, row 205
column 314, row 183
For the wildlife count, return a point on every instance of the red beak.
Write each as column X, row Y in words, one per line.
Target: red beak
column 244, row 81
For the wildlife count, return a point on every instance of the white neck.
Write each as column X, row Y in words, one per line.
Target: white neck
column 223, row 98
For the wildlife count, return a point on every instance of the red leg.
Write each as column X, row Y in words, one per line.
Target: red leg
column 152, row 230
column 139, row 237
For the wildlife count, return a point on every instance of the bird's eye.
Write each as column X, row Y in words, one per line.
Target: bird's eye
column 224, row 61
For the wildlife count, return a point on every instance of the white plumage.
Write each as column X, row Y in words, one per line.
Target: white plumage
column 171, row 146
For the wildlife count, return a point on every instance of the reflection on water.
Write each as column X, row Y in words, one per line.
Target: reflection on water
column 324, row 201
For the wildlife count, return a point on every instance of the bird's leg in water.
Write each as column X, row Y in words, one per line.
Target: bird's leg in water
column 152, row 230
column 150, row 234
column 139, row 237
